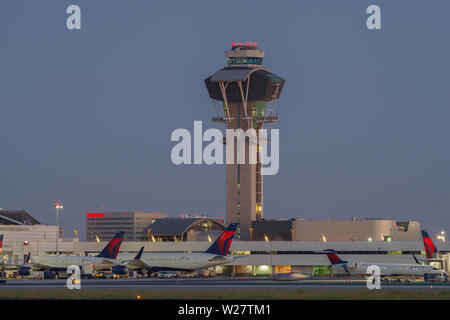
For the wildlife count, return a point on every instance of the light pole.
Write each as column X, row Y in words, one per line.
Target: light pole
column 266, row 238
column 57, row 207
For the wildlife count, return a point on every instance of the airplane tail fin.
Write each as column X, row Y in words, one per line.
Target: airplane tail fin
column 415, row 259
column 223, row 242
column 112, row 248
column 27, row 258
column 333, row 257
column 430, row 248
column 1, row 242
column 139, row 255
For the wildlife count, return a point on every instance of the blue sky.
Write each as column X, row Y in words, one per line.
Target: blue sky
column 86, row 116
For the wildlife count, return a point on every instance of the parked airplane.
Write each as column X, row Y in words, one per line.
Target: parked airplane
column 103, row 261
column 215, row 255
column 430, row 249
column 386, row 269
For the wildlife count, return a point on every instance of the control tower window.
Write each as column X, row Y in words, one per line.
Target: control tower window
column 244, row 60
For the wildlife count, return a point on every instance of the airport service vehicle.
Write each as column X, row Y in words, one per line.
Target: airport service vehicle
column 215, row 255
column 103, row 261
column 436, row 277
column 290, row 276
column 166, row 275
column 386, row 269
column 205, row 273
column 188, row 275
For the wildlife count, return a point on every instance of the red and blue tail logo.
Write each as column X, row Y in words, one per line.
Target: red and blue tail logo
column 223, row 243
column 1, row 240
column 333, row 257
column 430, row 248
column 112, row 248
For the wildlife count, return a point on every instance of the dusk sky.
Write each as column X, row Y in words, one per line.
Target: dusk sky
column 86, row 115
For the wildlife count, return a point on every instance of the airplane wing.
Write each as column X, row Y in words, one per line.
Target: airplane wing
column 218, row 259
column 8, row 267
column 135, row 264
column 32, row 266
column 239, row 257
column 108, row 262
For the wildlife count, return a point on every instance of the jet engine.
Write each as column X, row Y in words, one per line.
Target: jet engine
column 120, row 270
column 24, row 271
column 350, row 265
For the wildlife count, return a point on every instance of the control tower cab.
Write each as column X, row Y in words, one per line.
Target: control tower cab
column 244, row 94
column 247, row 54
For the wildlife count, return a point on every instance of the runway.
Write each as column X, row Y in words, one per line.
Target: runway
column 215, row 284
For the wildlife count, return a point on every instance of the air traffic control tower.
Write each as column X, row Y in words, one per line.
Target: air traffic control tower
column 244, row 95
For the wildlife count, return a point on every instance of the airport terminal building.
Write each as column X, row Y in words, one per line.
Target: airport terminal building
column 280, row 246
column 23, row 234
column 261, row 258
column 355, row 229
column 277, row 246
column 103, row 225
column 183, row 229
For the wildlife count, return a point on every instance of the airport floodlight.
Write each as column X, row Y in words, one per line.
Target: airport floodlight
column 251, row 232
column 57, row 206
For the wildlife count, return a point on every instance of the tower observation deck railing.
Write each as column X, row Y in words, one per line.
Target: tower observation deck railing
column 269, row 118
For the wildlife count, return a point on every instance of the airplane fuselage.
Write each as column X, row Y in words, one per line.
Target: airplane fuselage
column 387, row 269
column 61, row 263
column 183, row 261
column 151, row 261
